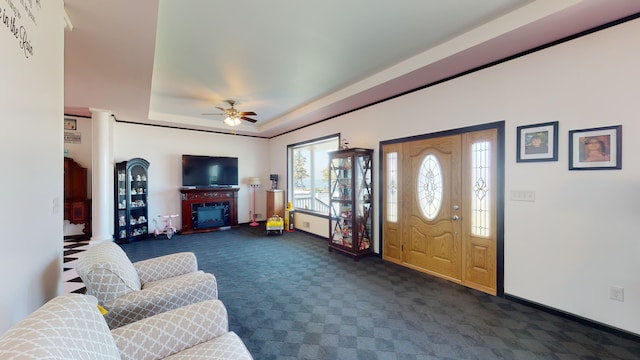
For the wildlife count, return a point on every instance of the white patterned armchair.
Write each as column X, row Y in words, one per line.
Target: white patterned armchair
column 70, row 326
column 133, row 291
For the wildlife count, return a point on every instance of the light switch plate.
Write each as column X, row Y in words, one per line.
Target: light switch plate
column 523, row 195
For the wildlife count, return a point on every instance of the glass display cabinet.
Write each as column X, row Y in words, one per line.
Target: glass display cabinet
column 131, row 208
column 350, row 202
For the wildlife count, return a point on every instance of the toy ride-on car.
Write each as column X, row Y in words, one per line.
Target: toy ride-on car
column 275, row 224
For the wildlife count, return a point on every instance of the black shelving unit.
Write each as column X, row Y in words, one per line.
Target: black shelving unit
column 350, row 202
column 131, row 194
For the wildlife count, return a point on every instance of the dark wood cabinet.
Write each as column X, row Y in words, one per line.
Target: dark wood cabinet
column 275, row 203
column 77, row 207
column 350, row 202
column 209, row 209
column 131, row 195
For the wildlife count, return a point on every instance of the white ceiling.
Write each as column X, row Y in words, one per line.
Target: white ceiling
column 292, row 62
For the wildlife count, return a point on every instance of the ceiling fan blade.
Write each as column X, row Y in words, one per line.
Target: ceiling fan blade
column 248, row 119
column 243, row 113
column 221, row 109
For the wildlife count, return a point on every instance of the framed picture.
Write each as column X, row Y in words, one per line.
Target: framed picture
column 538, row 142
column 70, row 124
column 596, row 149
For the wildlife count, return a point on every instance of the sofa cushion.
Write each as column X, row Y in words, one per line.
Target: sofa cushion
column 67, row 327
column 196, row 331
column 107, row 272
column 226, row 347
column 167, row 266
column 160, row 296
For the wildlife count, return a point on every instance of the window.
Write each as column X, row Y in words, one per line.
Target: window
column 481, row 203
column 430, row 191
column 308, row 170
column 392, row 188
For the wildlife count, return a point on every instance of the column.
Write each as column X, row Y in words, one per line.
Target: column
column 102, row 176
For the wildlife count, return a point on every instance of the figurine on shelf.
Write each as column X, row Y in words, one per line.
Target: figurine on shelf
column 345, row 145
column 274, row 181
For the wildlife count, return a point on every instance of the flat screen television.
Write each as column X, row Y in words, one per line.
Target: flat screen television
column 209, row 171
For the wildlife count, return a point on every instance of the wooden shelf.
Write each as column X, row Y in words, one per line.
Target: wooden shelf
column 275, row 203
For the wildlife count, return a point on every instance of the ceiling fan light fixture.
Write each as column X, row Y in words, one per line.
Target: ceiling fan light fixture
column 233, row 116
column 232, row 121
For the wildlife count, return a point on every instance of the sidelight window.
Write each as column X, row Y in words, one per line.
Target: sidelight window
column 480, row 201
column 392, row 187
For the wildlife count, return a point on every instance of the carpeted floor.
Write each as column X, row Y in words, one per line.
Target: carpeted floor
column 289, row 298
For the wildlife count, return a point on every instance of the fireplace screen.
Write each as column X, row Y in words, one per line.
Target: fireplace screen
column 210, row 215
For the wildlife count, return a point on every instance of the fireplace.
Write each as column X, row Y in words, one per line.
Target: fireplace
column 209, row 209
column 212, row 215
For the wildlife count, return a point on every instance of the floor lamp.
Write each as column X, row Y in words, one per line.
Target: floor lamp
column 254, row 182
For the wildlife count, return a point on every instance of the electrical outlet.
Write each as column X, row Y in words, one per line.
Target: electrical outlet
column 616, row 293
column 306, row 224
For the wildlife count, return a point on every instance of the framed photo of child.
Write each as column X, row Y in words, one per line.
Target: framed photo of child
column 596, row 148
column 537, row 142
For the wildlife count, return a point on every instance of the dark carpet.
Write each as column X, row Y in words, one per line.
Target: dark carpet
column 289, row 298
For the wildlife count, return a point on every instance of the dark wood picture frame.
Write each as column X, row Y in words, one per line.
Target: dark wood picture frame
column 596, row 148
column 537, row 142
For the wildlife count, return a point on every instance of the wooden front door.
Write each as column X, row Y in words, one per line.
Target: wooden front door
column 439, row 207
column 431, row 233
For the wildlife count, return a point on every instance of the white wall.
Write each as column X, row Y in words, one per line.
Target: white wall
column 579, row 237
column 31, row 99
column 163, row 148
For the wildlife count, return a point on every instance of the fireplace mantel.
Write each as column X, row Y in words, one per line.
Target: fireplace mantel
column 193, row 198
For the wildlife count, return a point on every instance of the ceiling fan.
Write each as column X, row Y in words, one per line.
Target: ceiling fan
column 233, row 116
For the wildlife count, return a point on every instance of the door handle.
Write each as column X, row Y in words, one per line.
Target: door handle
column 455, row 218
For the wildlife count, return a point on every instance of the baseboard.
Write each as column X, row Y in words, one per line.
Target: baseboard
column 588, row 322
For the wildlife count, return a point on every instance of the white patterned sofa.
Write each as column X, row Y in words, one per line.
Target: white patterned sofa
column 134, row 291
column 70, row 327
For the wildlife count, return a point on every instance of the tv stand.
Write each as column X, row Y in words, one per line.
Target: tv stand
column 209, row 209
